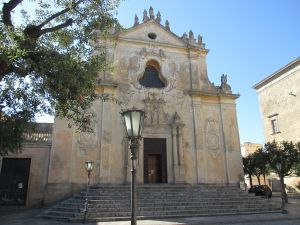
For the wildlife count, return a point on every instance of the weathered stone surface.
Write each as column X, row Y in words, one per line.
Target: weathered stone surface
column 278, row 97
column 197, row 119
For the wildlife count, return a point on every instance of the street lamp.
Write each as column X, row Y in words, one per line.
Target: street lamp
column 89, row 168
column 134, row 122
column 278, row 166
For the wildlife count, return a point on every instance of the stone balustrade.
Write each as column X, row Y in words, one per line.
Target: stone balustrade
column 41, row 133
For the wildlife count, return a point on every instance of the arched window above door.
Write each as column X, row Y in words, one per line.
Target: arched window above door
column 151, row 77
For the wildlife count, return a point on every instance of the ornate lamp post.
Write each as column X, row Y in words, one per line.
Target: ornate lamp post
column 278, row 166
column 89, row 168
column 134, row 122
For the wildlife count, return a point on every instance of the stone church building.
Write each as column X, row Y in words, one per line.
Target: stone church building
column 191, row 132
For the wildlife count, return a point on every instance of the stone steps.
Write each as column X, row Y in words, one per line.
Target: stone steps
column 93, row 209
column 111, row 203
column 155, row 204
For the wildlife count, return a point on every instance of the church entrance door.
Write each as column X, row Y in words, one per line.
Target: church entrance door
column 155, row 166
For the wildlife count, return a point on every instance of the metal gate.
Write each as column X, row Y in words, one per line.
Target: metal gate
column 14, row 181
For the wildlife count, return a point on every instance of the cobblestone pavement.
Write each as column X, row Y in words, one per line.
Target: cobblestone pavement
column 30, row 217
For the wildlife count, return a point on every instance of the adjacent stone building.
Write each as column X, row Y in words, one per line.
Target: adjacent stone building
column 249, row 148
column 24, row 176
column 279, row 103
column 190, row 134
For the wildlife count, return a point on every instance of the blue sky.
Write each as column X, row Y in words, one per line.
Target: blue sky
column 248, row 40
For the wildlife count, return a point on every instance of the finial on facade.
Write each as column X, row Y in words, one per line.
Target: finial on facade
column 184, row 36
column 199, row 40
column 151, row 14
column 136, row 20
column 145, row 16
column 191, row 38
column 167, row 25
column 158, row 17
column 191, row 35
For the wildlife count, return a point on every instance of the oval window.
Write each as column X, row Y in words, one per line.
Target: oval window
column 152, row 36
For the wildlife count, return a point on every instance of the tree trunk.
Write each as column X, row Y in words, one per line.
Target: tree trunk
column 250, row 179
column 283, row 189
column 258, row 179
column 264, row 178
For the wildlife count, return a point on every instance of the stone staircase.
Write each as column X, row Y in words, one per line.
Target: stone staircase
column 111, row 203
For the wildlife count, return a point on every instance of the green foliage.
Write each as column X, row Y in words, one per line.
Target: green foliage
column 286, row 154
column 47, row 63
column 297, row 168
column 11, row 131
column 260, row 159
column 282, row 158
column 249, row 166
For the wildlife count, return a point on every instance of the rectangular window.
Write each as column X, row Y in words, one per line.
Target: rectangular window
column 275, row 128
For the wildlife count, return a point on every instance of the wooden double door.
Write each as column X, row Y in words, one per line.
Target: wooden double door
column 155, row 161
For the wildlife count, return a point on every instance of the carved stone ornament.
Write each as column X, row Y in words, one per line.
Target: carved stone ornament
column 224, row 86
column 151, row 13
column 145, row 16
column 212, row 137
column 167, row 25
column 86, row 142
column 184, row 37
column 153, row 52
column 158, row 17
column 176, row 118
column 136, row 20
column 138, row 62
column 154, row 108
column 173, row 76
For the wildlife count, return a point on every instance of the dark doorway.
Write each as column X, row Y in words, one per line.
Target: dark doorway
column 155, row 160
column 14, row 181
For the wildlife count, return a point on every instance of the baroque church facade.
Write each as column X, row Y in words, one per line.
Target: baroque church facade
column 190, row 134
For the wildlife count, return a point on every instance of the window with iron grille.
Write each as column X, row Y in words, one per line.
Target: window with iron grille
column 151, row 78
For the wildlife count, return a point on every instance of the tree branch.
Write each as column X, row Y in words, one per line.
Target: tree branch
column 6, row 10
column 56, row 28
column 53, row 17
column 74, row 4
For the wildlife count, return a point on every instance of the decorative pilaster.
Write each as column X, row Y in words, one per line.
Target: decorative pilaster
column 174, row 141
column 179, row 172
column 180, row 146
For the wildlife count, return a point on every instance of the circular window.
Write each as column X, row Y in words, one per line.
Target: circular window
column 152, row 36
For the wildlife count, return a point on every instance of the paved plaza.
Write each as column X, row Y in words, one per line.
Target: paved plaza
column 292, row 217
